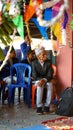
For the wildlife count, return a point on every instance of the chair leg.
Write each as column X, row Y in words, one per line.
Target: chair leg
column 33, row 95
column 3, row 91
column 0, row 91
column 19, row 94
column 10, row 96
column 27, row 97
column 13, row 95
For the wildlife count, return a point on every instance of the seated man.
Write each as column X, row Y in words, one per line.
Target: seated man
column 42, row 74
column 29, row 58
column 30, row 55
column 5, row 72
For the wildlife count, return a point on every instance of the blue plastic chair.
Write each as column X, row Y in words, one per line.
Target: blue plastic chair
column 20, row 70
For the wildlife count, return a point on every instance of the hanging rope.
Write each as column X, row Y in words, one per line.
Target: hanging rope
column 54, row 50
column 28, row 31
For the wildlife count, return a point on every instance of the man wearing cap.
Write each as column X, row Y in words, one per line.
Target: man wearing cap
column 42, row 74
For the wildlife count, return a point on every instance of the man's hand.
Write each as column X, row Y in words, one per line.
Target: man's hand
column 31, row 78
column 54, row 81
column 41, row 82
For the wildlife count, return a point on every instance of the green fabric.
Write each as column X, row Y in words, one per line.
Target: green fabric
column 18, row 21
column 1, row 55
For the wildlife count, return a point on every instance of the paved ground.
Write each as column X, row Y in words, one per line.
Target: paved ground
column 20, row 116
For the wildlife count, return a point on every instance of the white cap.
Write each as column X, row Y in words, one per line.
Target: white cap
column 39, row 50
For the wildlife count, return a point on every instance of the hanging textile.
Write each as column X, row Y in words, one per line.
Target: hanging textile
column 56, row 28
column 18, row 21
column 42, row 29
column 30, row 10
column 48, row 14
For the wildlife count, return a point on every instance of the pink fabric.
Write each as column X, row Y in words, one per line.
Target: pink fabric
column 55, row 9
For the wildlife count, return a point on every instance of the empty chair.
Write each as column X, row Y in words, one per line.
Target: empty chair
column 19, row 70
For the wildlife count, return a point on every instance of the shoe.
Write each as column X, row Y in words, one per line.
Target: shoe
column 46, row 110
column 39, row 110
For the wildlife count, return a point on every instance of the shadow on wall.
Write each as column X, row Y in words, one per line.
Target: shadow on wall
column 59, row 85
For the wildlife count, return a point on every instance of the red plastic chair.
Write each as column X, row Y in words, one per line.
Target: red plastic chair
column 55, row 69
column 34, row 87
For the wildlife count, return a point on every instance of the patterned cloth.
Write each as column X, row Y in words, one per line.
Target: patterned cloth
column 62, row 123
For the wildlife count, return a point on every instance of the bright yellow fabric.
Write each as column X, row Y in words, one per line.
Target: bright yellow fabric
column 56, row 28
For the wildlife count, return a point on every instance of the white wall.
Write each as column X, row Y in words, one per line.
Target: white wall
column 35, row 43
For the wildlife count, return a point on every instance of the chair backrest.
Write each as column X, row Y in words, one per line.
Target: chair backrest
column 19, row 69
column 55, row 69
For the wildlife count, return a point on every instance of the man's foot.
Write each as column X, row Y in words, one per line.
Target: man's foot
column 46, row 110
column 39, row 110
